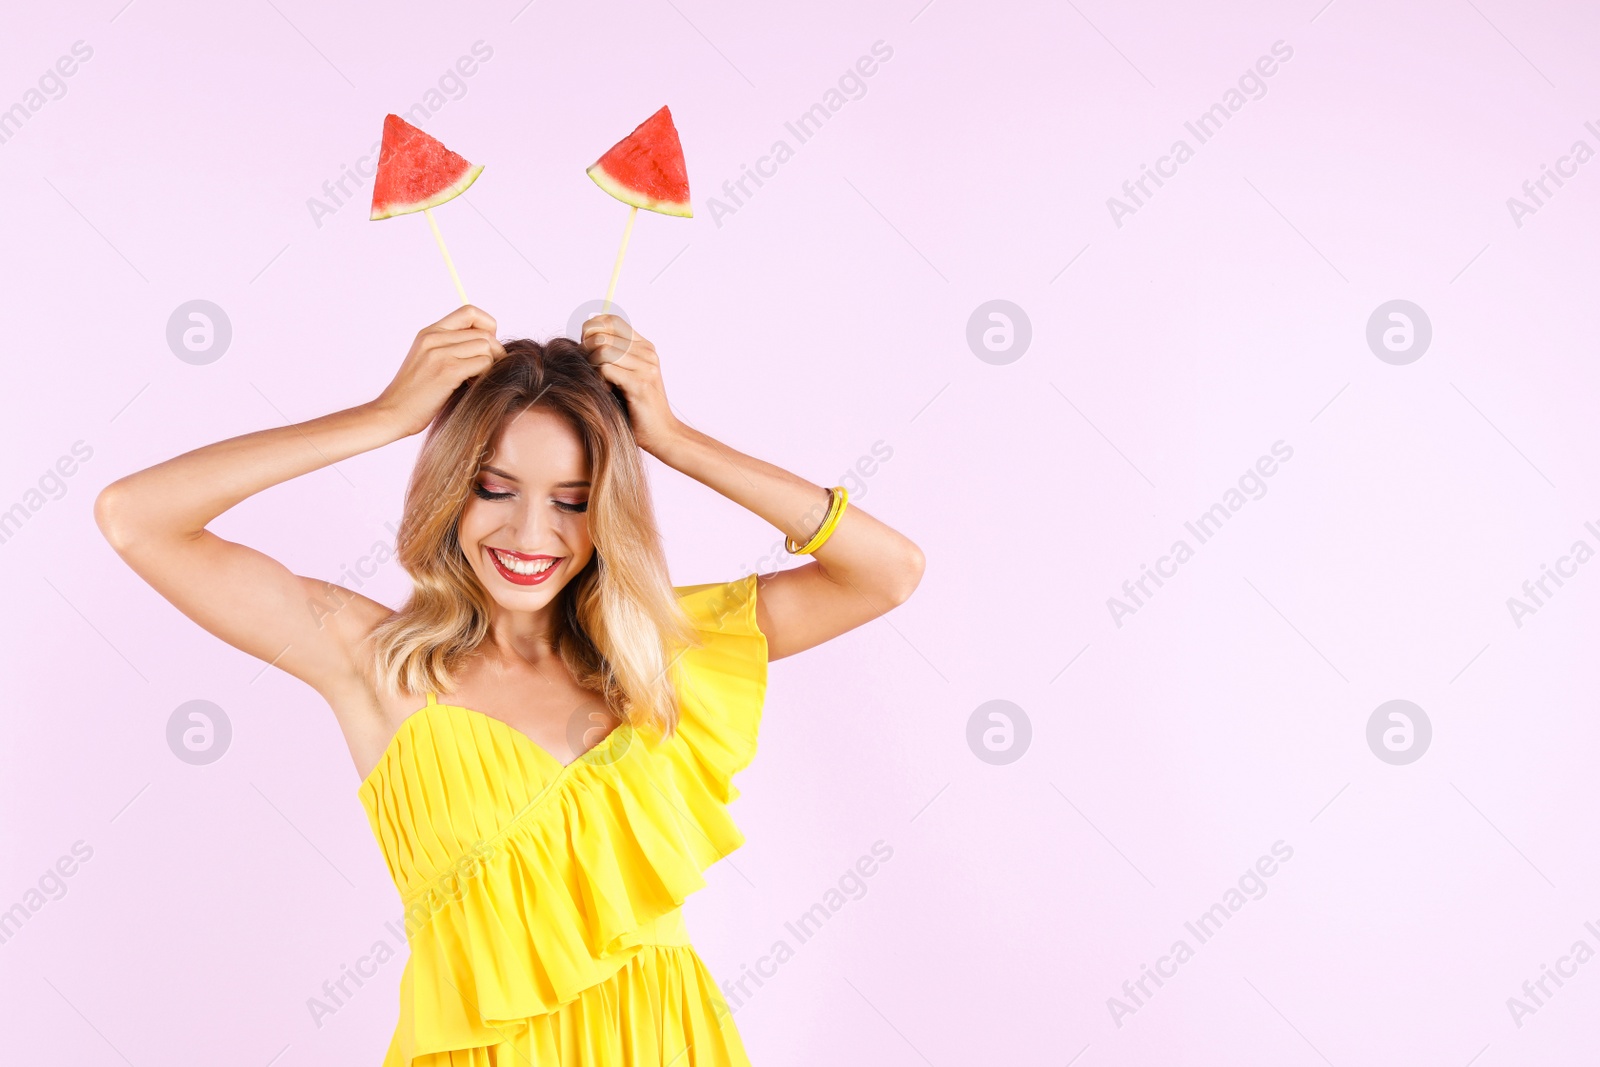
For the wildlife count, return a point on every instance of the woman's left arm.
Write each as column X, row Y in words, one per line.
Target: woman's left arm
column 864, row 569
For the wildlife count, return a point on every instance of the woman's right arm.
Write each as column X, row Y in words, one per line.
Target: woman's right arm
column 156, row 518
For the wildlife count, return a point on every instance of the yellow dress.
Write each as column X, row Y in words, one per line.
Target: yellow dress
column 542, row 902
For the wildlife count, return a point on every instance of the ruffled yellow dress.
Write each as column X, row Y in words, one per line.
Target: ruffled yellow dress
column 542, row 902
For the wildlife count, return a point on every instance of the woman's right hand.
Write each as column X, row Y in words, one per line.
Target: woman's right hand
column 457, row 347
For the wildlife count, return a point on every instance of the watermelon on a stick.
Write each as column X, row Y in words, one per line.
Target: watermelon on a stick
column 644, row 170
column 418, row 173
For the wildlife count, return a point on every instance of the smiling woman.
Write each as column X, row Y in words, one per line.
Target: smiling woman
column 500, row 505
column 565, row 781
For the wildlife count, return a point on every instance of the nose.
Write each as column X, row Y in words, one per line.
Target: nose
column 534, row 530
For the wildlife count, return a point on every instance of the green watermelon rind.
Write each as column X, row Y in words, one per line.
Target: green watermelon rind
column 448, row 193
column 628, row 195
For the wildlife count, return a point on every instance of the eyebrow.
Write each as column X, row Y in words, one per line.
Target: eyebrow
column 486, row 469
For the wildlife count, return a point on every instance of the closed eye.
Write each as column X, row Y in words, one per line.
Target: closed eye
column 564, row 505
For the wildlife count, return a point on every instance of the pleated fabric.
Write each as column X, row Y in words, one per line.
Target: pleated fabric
column 541, row 901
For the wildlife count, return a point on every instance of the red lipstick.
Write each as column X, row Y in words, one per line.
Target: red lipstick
column 517, row 578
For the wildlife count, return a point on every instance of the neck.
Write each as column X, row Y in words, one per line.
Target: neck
column 523, row 635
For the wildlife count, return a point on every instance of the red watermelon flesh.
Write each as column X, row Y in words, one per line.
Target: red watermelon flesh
column 415, row 171
column 646, row 168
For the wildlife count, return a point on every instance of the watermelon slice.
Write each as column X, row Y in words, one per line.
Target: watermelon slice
column 415, row 171
column 646, row 168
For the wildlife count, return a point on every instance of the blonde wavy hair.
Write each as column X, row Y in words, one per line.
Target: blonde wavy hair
column 619, row 627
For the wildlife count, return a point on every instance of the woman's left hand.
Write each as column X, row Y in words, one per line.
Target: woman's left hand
column 629, row 362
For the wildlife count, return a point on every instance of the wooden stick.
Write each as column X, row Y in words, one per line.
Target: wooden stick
column 448, row 262
column 616, row 271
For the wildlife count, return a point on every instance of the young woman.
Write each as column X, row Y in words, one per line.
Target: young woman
column 546, row 732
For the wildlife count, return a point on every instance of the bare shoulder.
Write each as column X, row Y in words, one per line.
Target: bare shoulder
column 347, row 615
column 367, row 714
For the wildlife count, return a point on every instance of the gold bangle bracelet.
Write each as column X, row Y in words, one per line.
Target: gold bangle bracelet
column 838, row 497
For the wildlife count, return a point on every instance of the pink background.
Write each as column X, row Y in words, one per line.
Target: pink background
column 826, row 314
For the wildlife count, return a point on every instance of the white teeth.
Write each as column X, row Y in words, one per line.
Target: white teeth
column 524, row 566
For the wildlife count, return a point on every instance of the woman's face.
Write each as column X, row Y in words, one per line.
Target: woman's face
column 524, row 528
